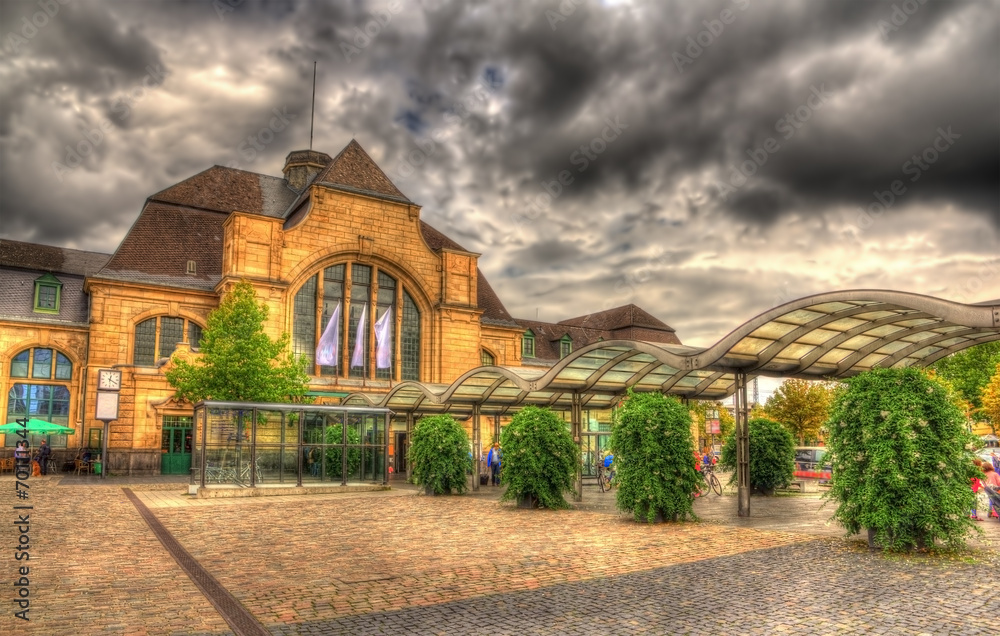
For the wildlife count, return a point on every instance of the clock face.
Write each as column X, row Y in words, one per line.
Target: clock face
column 109, row 379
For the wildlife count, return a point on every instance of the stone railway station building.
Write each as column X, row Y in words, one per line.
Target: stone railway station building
column 332, row 237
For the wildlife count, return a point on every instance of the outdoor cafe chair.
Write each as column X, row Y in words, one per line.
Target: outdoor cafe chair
column 6, row 465
column 82, row 466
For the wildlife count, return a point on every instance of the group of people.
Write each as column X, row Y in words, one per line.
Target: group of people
column 23, row 456
column 991, row 478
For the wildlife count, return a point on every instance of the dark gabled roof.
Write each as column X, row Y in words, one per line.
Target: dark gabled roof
column 228, row 189
column 622, row 317
column 47, row 258
column 161, row 242
column 354, row 170
column 621, row 323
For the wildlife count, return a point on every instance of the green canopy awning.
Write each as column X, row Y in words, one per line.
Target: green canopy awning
column 37, row 427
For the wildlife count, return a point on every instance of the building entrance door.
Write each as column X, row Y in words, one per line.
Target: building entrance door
column 176, row 445
column 399, row 458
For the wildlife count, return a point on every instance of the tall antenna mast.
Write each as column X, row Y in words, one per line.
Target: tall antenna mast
column 312, row 115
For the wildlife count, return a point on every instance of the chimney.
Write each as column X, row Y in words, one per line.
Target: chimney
column 302, row 166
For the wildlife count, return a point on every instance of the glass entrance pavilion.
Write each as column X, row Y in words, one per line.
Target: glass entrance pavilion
column 242, row 444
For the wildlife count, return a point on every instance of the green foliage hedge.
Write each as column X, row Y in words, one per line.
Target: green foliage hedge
column 540, row 459
column 901, row 460
column 334, row 454
column 654, row 458
column 772, row 455
column 440, row 454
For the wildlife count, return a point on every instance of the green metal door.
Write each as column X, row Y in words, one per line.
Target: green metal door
column 176, row 445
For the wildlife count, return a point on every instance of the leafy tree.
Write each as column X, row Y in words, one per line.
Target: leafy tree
column 239, row 362
column 654, row 454
column 969, row 371
column 772, row 455
column 539, row 460
column 991, row 400
column 440, row 454
column 802, row 406
column 901, row 466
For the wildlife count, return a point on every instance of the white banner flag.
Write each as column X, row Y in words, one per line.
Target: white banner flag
column 383, row 340
column 327, row 352
column 358, row 359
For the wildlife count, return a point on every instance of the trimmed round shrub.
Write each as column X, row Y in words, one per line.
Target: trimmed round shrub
column 654, row 458
column 901, row 460
column 539, row 458
column 440, row 454
column 772, row 455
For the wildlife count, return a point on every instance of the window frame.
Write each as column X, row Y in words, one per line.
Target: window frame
column 486, row 359
column 528, row 344
column 157, row 335
column 565, row 346
column 47, row 281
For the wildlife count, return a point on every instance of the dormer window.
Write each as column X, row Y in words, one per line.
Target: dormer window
column 528, row 344
column 192, row 267
column 47, row 292
column 565, row 346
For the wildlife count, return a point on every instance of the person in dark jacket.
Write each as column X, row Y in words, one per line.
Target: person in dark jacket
column 494, row 461
column 44, row 453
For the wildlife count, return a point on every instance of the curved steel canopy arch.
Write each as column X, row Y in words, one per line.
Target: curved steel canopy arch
column 826, row 336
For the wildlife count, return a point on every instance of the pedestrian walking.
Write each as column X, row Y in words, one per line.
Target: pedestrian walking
column 493, row 460
column 44, row 453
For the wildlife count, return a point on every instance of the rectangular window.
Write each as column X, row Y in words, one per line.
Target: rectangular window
column 386, row 299
column 171, row 332
column 47, row 296
column 528, row 347
column 144, row 354
column 194, row 336
column 361, row 276
column 64, row 368
column 19, row 365
column 43, row 364
column 304, row 323
column 410, row 339
column 565, row 348
column 333, row 295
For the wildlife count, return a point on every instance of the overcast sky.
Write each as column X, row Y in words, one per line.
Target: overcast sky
column 717, row 158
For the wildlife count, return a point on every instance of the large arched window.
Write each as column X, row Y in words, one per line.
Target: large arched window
column 157, row 338
column 44, row 397
column 351, row 313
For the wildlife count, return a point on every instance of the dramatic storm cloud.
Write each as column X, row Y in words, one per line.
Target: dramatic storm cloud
column 704, row 160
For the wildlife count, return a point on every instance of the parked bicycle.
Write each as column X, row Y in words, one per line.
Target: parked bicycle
column 709, row 481
column 605, row 476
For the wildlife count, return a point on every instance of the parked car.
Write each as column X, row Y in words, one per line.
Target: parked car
column 810, row 464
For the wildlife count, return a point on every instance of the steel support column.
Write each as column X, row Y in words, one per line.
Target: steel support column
column 742, row 445
column 475, row 447
column 576, row 416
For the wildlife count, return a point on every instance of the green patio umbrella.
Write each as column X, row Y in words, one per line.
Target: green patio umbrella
column 38, row 427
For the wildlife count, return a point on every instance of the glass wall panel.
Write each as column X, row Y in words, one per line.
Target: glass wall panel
column 144, row 350
column 410, row 339
column 194, row 336
column 171, row 332
column 333, row 296
column 19, row 365
column 42, row 367
column 386, row 300
column 64, row 368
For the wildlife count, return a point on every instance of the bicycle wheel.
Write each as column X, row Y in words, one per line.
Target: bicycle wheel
column 716, row 485
column 703, row 488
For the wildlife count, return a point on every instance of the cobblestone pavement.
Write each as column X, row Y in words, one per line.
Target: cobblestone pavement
column 396, row 563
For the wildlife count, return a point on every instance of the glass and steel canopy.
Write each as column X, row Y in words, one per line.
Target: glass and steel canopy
column 822, row 337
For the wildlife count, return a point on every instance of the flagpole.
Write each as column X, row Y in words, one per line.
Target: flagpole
column 312, row 114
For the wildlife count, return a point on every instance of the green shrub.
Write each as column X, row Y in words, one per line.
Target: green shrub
column 901, row 466
column 772, row 455
column 440, row 454
column 654, row 458
column 539, row 459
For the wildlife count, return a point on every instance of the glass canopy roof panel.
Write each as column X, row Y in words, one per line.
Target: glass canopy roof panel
column 857, row 342
column 795, row 352
column 844, row 324
column 917, row 336
column 892, row 347
column 834, row 356
column 876, row 315
column 917, row 322
column 772, row 330
column 816, row 336
column 884, row 330
column 800, row 316
column 574, row 376
column 635, row 364
column 870, row 361
column 750, row 346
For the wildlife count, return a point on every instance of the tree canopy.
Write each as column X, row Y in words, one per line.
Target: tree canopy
column 970, row 370
column 991, row 400
column 239, row 361
column 802, row 406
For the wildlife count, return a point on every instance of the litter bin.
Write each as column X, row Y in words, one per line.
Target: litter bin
column 97, row 467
